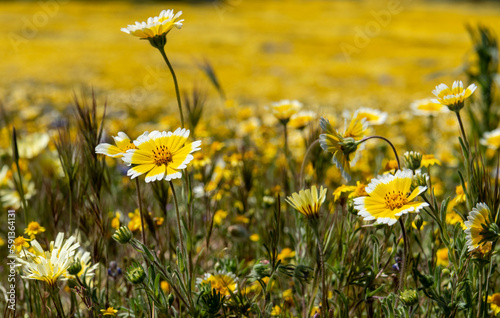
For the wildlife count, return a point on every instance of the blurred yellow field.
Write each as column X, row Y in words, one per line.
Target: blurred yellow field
column 261, row 50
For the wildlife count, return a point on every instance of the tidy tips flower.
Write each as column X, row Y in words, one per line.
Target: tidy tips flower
column 308, row 201
column 285, row 109
column 389, row 197
column 155, row 27
column 491, row 139
column 161, row 155
column 477, row 226
column 123, row 143
column 453, row 98
column 427, row 107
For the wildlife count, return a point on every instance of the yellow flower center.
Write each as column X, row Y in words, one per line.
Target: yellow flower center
column 34, row 226
column 130, row 146
column 495, row 299
column 395, row 200
column 162, row 156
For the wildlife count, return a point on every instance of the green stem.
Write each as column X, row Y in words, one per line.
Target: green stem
column 179, row 228
column 386, row 140
column 54, row 293
column 462, row 130
column 324, row 309
column 139, row 204
column 302, row 167
column 405, row 255
column 162, row 51
column 485, row 310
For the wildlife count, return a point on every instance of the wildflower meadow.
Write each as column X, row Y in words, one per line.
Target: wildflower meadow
column 250, row 159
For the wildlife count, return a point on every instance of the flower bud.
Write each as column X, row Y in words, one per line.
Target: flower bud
column 303, row 274
column 419, row 180
column 261, row 270
column 349, row 145
column 135, row 274
column 75, row 267
column 409, row 297
column 123, row 235
column 413, row 160
column 418, row 222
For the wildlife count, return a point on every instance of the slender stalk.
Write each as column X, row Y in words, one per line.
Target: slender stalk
column 179, row 228
column 462, row 130
column 302, row 167
column 405, row 255
column 54, row 294
column 485, row 311
column 139, row 204
column 324, row 309
column 390, row 144
column 162, row 51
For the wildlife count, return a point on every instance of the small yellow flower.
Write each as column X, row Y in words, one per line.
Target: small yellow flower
column 109, row 312
column 389, row 197
column 371, row 116
column 442, row 257
column 123, row 143
column 285, row 109
column 34, row 229
column 276, row 311
column 342, row 192
column 426, row 107
column 20, row 242
column 159, row 220
column 453, row 98
column 430, row 160
column 302, row 119
column 494, row 301
column 135, row 221
column 491, row 139
column 359, row 191
column 161, row 155
column 241, row 219
column 164, row 286
column 222, row 282
column 254, row 237
column 115, row 222
column 308, row 201
column 286, row 253
column 219, row 216
column 157, row 26
column 461, row 196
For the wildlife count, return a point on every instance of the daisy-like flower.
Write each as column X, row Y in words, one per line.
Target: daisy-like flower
column 285, row 109
column 156, row 27
column 34, row 229
column 429, row 160
column 49, row 266
column 308, row 201
column 389, row 197
column 110, row 311
column 301, row 119
column 453, row 98
column 491, row 139
column 427, row 107
column 123, row 143
column 342, row 145
column 477, row 226
column 461, row 196
column 222, row 282
column 20, row 242
column 371, row 116
column 161, row 155
column 494, row 301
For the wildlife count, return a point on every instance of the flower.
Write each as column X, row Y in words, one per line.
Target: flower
column 494, row 301
column 222, row 282
column 165, row 286
column 413, row 159
column 285, row 109
column 491, row 139
column 161, row 155
column 286, row 253
column 109, row 312
column 301, row 119
column 135, row 274
column 135, row 221
column 371, row 116
column 453, row 98
column 427, row 107
column 342, row 145
column 34, row 229
column 442, row 257
column 115, row 222
column 461, row 196
column 340, row 191
column 123, row 143
column 219, row 216
column 123, row 235
column 429, row 160
column 477, row 225
column 389, row 197
column 308, row 201
column 19, row 243
column 49, row 266
column 155, row 27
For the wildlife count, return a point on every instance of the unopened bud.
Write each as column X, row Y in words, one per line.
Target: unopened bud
column 409, row 297
column 135, row 274
column 123, row 235
column 413, row 160
column 75, row 268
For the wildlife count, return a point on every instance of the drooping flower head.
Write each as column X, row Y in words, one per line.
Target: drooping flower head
column 342, row 145
column 161, row 155
column 389, row 197
column 308, row 201
column 156, row 29
column 285, row 109
column 49, row 266
column 427, row 107
column 221, row 282
column 491, row 139
column 123, row 143
column 477, row 226
column 455, row 97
